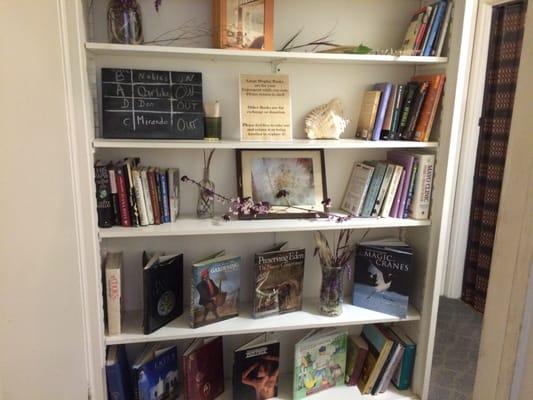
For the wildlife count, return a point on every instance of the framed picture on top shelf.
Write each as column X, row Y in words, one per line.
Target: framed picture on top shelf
column 292, row 182
column 243, row 24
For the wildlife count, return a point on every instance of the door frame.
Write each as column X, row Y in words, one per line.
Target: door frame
column 453, row 279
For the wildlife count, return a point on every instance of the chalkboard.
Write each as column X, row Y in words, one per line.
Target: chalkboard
column 142, row 104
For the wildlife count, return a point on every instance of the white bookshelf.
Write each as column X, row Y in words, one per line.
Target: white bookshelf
column 315, row 79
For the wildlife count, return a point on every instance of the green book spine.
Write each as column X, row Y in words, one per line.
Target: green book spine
column 373, row 189
column 397, row 111
column 402, row 378
column 411, row 90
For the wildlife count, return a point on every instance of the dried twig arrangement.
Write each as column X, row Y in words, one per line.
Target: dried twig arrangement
column 188, row 33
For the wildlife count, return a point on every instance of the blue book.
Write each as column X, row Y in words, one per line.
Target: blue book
column 434, row 28
column 402, row 377
column 385, row 89
column 118, row 374
column 164, row 195
column 373, row 188
column 156, row 373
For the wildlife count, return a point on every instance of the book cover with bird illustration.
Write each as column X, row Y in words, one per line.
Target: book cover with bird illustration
column 382, row 276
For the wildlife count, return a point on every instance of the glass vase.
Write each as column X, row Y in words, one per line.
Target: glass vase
column 124, row 22
column 331, row 291
column 205, row 207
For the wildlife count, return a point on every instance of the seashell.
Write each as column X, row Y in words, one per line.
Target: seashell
column 326, row 121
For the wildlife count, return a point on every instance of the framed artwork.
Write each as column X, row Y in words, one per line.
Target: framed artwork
column 243, row 24
column 262, row 174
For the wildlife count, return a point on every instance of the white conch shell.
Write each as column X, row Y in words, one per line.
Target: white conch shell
column 326, row 121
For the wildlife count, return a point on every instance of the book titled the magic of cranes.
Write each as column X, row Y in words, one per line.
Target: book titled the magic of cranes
column 383, row 275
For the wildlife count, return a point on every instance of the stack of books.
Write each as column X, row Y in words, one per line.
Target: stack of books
column 401, row 111
column 399, row 187
column 427, row 30
column 128, row 194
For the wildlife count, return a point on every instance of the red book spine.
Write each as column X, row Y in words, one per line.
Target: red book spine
column 125, row 219
column 153, row 196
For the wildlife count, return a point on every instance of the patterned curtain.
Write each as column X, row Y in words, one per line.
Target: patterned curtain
column 502, row 70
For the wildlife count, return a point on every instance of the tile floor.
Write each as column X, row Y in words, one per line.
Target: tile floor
column 456, row 351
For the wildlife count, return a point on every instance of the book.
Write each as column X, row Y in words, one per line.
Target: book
column 114, row 193
column 402, row 376
column 410, row 95
column 394, row 358
column 139, row 196
column 387, row 122
column 256, row 369
column 373, row 189
column 379, row 347
column 215, row 289
column 435, row 27
column 117, row 372
column 415, row 111
column 406, row 160
column 278, row 281
column 154, row 195
column 319, row 362
column 383, row 275
column 162, row 290
column 159, row 191
column 411, row 189
column 396, row 114
column 391, row 191
column 429, row 108
column 382, row 190
column 124, row 208
column 113, row 289
column 357, row 349
column 385, row 89
column 203, row 369
column 439, row 42
column 104, row 206
column 431, row 21
column 421, row 34
column 147, row 196
column 173, row 178
column 164, row 195
column 155, row 373
column 367, row 114
column 423, row 184
column 357, row 188
column 127, row 165
column 412, row 31
column 397, row 196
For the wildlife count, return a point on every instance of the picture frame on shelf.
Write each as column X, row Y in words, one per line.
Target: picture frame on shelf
column 243, row 24
column 300, row 174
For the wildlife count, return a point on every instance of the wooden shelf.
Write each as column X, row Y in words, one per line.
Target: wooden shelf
column 308, row 318
column 188, row 226
column 111, row 49
column 237, row 144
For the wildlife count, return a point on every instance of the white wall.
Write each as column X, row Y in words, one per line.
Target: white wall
column 42, row 352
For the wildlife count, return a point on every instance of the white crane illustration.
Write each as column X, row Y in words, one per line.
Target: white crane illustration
column 379, row 279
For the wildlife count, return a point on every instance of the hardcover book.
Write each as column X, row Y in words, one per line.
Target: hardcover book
column 411, row 90
column 406, row 160
column 319, row 362
column 411, row 189
column 278, row 281
column 256, row 369
column 396, row 114
column 385, row 89
column 163, row 290
column 355, row 358
column 421, row 34
column 139, row 196
column 383, row 276
column 415, row 111
column 118, row 373
column 439, row 42
column 413, row 29
column 122, row 194
column 104, row 204
column 391, row 191
column 155, row 373
column 203, row 369
column 375, row 185
column 114, row 192
column 391, row 364
column 383, row 190
column 127, row 166
column 379, row 347
column 147, row 195
column 215, row 289
column 113, row 289
column 367, row 115
column 429, row 108
column 423, row 184
column 402, row 376
column 154, row 195
column 435, row 27
column 387, row 122
column 173, row 175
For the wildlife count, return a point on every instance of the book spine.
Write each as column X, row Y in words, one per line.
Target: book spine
column 384, row 353
column 379, row 380
column 439, row 16
column 139, row 197
column 421, row 32
column 406, row 109
column 114, row 193
column 387, row 123
column 423, row 185
column 434, row 110
column 382, row 109
column 393, row 366
column 147, row 196
column 397, row 112
column 174, row 193
column 125, row 215
column 152, row 186
column 113, row 295
column 159, row 197
column 391, row 191
column 410, row 190
column 427, row 107
column 147, row 302
column 114, row 380
column 415, row 111
column 164, row 195
column 431, row 21
column 192, row 321
column 130, row 192
column 402, row 377
column 382, row 190
column 373, row 190
column 104, row 207
column 397, row 197
column 439, row 44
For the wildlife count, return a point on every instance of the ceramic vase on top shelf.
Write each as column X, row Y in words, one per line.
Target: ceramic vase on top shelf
column 331, row 291
column 205, row 207
column 124, row 22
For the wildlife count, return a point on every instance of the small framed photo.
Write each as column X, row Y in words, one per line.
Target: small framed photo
column 263, row 174
column 243, row 24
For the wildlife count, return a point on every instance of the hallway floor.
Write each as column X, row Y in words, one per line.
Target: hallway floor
column 456, row 351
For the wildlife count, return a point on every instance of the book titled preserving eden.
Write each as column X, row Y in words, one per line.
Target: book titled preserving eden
column 278, row 281
column 215, row 285
column 155, row 373
column 162, row 290
column 383, row 275
column 319, row 362
column 203, row 369
column 256, row 369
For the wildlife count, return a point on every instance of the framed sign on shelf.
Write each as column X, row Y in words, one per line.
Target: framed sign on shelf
column 299, row 174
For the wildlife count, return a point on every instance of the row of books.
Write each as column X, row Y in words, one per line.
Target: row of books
column 427, row 31
column 128, row 194
column 399, row 187
column 383, row 271
column 323, row 359
column 401, row 111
